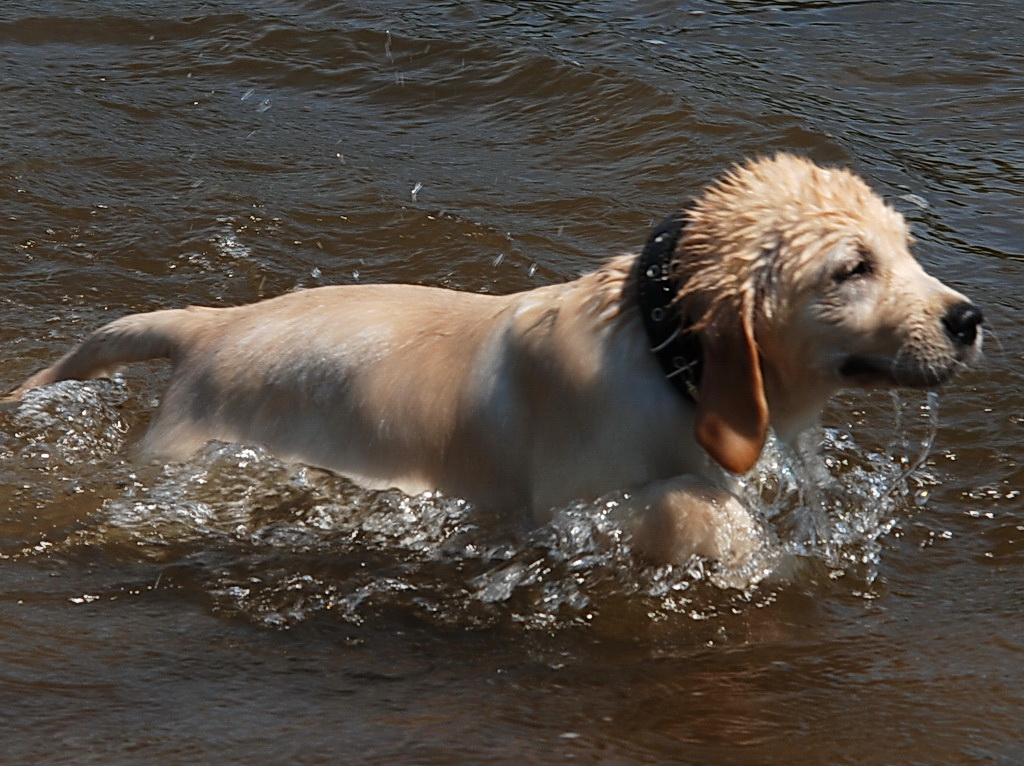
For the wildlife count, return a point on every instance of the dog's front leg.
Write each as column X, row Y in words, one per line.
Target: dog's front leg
column 677, row 518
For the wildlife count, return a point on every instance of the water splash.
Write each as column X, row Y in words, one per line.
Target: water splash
column 280, row 544
column 830, row 499
column 65, row 426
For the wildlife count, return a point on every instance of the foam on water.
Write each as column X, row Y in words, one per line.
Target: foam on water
column 279, row 544
column 67, row 424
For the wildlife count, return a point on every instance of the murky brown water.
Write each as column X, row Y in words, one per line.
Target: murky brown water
column 237, row 610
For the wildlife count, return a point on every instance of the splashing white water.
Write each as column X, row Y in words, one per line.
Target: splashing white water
column 279, row 544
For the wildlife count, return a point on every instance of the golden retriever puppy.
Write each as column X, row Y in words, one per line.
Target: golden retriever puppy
column 658, row 374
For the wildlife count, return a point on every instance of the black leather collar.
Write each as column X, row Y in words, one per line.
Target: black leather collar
column 677, row 349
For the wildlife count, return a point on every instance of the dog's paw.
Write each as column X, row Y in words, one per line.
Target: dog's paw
column 677, row 519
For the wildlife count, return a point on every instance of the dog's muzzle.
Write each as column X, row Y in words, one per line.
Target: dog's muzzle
column 962, row 325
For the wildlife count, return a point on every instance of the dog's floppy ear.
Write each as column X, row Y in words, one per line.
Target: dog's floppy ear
column 732, row 414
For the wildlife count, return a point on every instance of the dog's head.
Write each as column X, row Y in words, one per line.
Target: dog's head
column 800, row 282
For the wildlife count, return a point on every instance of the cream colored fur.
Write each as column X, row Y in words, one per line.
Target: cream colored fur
column 528, row 401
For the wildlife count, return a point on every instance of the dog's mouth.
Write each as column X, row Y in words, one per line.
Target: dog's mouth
column 865, row 371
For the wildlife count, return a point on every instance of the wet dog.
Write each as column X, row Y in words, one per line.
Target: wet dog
column 658, row 374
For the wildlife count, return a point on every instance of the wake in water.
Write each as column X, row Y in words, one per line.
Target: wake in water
column 280, row 544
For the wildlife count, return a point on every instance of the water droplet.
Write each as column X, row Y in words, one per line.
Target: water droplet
column 915, row 199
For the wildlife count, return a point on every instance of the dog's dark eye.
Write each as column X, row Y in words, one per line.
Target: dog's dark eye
column 860, row 266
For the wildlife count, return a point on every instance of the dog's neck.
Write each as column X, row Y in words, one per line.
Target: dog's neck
column 677, row 350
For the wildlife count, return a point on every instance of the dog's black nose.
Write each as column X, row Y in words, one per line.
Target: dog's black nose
column 961, row 322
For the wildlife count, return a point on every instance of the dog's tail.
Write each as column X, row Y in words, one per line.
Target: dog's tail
column 132, row 338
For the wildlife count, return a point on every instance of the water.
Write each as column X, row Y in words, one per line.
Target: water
column 236, row 608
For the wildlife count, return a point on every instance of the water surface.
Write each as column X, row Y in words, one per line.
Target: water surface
column 235, row 608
